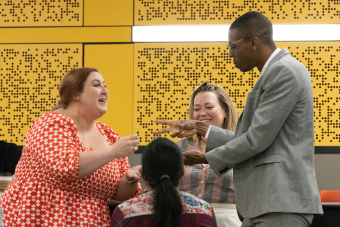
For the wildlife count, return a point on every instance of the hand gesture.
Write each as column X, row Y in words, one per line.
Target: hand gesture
column 193, row 157
column 126, row 146
column 133, row 173
column 179, row 128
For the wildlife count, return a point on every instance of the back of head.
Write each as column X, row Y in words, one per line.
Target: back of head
column 72, row 85
column 254, row 24
column 224, row 100
column 162, row 164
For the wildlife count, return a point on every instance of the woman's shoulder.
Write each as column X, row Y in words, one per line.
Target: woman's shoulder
column 191, row 199
column 103, row 126
column 107, row 130
column 51, row 123
column 193, row 204
column 137, row 206
column 54, row 119
column 146, row 197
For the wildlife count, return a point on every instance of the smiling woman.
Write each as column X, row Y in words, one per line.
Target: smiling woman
column 211, row 104
column 72, row 161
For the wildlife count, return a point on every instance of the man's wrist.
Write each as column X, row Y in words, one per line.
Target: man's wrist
column 201, row 128
column 203, row 159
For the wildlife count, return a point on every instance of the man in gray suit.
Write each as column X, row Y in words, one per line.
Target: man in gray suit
column 272, row 152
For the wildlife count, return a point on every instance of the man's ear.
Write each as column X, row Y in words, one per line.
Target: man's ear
column 255, row 42
column 77, row 98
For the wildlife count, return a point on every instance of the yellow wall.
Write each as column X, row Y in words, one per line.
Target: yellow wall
column 166, row 74
column 29, row 78
column 118, row 74
column 41, row 40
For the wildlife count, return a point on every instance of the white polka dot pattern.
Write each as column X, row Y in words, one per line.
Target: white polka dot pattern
column 47, row 191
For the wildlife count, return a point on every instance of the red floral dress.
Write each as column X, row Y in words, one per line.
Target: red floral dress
column 47, row 191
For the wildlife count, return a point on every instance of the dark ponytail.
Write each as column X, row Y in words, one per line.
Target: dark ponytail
column 162, row 163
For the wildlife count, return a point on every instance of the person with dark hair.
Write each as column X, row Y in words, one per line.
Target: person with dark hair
column 272, row 152
column 163, row 205
column 211, row 104
column 71, row 164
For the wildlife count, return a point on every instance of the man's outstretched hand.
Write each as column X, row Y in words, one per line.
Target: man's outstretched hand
column 193, row 157
column 182, row 128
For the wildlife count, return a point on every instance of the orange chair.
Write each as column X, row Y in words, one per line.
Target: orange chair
column 330, row 196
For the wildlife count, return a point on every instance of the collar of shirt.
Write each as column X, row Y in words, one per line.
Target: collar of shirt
column 269, row 59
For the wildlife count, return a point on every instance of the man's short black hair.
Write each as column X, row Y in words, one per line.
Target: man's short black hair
column 254, row 24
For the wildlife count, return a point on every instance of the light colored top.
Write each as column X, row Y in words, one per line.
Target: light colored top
column 201, row 181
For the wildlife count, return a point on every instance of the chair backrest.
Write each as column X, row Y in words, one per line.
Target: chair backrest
column 330, row 196
column 10, row 154
column 330, row 218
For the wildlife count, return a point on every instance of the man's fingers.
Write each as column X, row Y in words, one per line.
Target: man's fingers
column 181, row 135
column 186, row 162
column 178, row 135
column 173, row 135
column 188, row 133
column 179, row 127
column 163, row 122
column 161, row 131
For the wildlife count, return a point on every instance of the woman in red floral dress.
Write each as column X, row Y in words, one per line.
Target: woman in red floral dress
column 71, row 164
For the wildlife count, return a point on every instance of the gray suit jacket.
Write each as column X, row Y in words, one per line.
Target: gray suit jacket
column 272, row 152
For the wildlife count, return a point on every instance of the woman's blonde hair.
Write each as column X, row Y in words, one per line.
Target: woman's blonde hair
column 225, row 102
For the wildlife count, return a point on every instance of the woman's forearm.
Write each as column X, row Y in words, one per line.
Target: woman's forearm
column 91, row 161
column 95, row 159
column 125, row 190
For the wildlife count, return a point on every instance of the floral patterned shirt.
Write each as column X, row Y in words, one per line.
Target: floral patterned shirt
column 139, row 211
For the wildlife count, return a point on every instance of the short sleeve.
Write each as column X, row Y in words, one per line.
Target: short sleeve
column 52, row 141
column 110, row 135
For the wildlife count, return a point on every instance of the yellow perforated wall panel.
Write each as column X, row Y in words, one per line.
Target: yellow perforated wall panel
column 29, row 79
column 155, row 12
column 115, row 63
column 41, row 13
column 108, row 12
column 166, row 74
column 147, row 81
